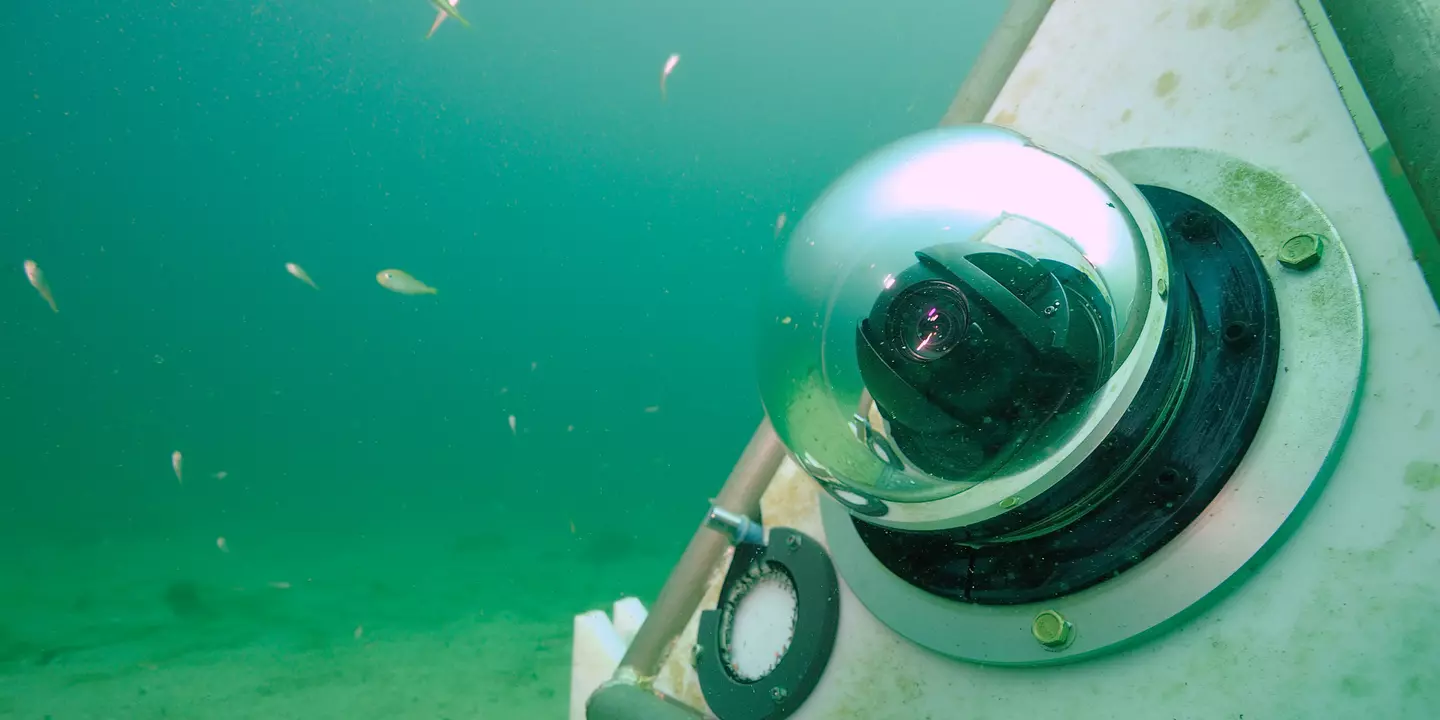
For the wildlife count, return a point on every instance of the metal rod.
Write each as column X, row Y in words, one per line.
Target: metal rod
column 996, row 61
column 622, row 701
column 738, row 529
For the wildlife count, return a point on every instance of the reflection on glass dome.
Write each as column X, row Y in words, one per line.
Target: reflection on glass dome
column 952, row 311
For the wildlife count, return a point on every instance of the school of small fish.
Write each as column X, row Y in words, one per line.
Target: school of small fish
column 300, row 274
column 37, row 280
column 443, row 11
column 402, row 282
column 392, row 279
column 665, row 71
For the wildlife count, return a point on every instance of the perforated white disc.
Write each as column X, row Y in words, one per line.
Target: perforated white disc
column 760, row 623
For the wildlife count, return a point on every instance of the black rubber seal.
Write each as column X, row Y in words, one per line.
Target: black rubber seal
column 817, row 619
column 1220, row 282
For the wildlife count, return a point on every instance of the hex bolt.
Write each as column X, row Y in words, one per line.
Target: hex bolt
column 1301, row 252
column 1052, row 630
column 695, row 653
column 792, row 542
column 778, row 694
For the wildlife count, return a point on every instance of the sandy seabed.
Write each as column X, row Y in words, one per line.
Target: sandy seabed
column 446, row 626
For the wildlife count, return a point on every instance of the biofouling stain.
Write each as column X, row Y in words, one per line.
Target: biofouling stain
column 1422, row 475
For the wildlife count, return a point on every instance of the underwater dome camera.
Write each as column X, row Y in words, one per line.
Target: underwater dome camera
column 972, row 348
column 1017, row 371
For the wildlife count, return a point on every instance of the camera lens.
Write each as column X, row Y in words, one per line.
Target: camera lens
column 929, row 319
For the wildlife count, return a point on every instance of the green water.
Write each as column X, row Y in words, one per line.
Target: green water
column 598, row 253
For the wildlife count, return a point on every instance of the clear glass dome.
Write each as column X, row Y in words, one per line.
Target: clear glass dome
column 952, row 310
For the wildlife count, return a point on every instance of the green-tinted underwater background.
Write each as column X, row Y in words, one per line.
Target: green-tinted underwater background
column 393, row 549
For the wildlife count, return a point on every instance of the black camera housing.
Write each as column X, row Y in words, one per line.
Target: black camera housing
column 1168, row 456
column 974, row 348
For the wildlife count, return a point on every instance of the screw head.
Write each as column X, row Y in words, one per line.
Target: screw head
column 792, row 542
column 778, row 694
column 1301, row 252
column 1052, row 630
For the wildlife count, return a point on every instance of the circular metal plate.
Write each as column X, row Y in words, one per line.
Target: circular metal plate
column 1322, row 345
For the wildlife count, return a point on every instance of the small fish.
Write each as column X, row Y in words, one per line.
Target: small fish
column 224, row 546
column 359, row 630
column 443, row 12
column 300, row 274
column 175, row 462
column 279, row 584
column 653, row 409
column 512, row 425
column 779, row 225
column 37, row 280
column 670, row 64
column 220, row 475
column 447, row 9
column 401, row 282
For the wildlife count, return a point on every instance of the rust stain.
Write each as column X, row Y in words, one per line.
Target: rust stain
column 1006, row 117
column 1239, row 13
column 1423, row 476
column 1125, row 116
column 1200, row 18
column 1028, row 81
column 1166, row 84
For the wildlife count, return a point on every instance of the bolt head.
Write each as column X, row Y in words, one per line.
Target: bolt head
column 778, row 694
column 1301, row 252
column 793, row 542
column 1052, row 630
